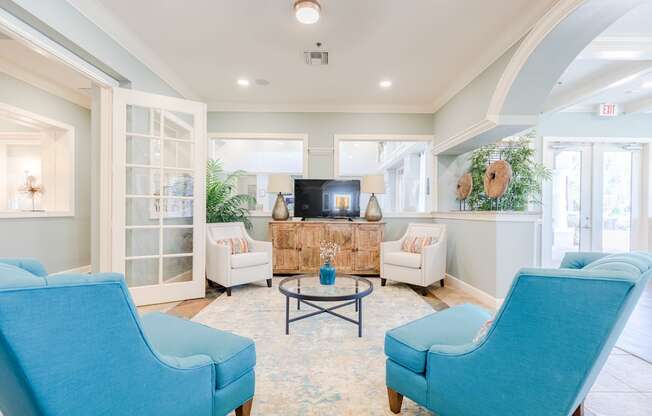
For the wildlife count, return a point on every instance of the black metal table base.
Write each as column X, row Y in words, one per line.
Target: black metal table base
column 320, row 310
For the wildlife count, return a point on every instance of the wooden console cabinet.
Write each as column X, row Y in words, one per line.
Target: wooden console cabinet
column 296, row 245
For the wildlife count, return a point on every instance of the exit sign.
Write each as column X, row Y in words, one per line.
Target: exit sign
column 608, row 110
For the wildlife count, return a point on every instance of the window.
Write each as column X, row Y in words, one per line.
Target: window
column 259, row 156
column 405, row 161
column 36, row 165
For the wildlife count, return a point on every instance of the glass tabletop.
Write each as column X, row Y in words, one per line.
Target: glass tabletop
column 308, row 287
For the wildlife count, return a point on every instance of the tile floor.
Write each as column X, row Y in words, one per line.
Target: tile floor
column 624, row 388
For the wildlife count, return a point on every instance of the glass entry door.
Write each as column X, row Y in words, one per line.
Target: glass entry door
column 159, row 161
column 591, row 200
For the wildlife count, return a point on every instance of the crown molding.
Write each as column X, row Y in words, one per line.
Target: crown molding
column 318, row 108
column 472, row 131
column 44, row 84
column 109, row 24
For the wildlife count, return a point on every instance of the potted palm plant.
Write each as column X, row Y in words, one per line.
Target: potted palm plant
column 223, row 203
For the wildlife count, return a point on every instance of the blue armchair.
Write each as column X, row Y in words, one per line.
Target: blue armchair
column 541, row 355
column 75, row 345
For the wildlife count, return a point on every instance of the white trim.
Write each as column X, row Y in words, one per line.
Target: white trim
column 103, row 18
column 37, row 214
column 560, row 11
column 77, row 270
column 37, row 41
column 473, row 291
column 383, row 137
column 44, row 84
column 489, row 216
column 226, row 107
column 461, row 137
column 320, row 150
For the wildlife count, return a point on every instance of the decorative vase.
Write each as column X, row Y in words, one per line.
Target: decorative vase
column 280, row 211
column 327, row 274
column 373, row 211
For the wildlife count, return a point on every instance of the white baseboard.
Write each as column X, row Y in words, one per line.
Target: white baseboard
column 473, row 291
column 77, row 270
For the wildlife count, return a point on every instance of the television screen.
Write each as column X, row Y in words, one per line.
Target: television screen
column 326, row 198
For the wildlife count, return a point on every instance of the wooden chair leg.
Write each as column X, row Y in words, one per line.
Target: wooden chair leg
column 395, row 400
column 245, row 408
column 580, row 410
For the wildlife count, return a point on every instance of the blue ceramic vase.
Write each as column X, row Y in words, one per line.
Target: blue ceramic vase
column 327, row 274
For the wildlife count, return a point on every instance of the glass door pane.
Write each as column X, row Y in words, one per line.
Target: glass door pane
column 616, row 200
column 566, row 203
column 159, row 216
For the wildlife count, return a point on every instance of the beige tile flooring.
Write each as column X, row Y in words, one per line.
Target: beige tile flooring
column 624, row 388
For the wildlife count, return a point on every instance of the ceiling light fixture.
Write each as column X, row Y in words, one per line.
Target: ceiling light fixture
column 307, row 11
column 243, row 82
column 385, row 83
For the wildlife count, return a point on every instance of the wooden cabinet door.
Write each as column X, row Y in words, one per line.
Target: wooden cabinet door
column 342, row 234
column 367, row 256
column 285, row 241
column 310, row 237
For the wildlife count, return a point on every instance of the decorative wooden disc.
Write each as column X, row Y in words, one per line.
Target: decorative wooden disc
column 497, row 178
column 464, row 186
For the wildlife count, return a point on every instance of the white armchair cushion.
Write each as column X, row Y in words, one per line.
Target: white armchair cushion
column 403, row 259
column 239, row 261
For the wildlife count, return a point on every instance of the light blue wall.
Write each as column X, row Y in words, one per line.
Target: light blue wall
column 320, row 128
column 61, row 243
column 590, row 125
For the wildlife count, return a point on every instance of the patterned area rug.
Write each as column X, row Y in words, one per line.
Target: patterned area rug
column 322, row 367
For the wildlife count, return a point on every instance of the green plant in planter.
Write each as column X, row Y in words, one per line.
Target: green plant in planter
column 223, row 204
column 527, row 175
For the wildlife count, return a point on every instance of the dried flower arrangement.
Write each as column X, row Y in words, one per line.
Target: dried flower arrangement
column 328, row 250
column 32, row 189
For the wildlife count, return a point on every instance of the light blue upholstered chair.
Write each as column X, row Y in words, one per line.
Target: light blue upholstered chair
column 74, row 345
column 540, row 357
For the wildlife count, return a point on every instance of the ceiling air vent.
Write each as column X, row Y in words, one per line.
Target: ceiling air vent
column 316, row 57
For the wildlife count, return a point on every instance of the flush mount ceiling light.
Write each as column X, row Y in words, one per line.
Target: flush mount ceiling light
column 385, row 83
column 307, row 11
column 243, row 82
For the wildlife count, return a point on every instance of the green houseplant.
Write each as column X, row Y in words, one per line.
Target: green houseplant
column 223, row 203
column 527, row 175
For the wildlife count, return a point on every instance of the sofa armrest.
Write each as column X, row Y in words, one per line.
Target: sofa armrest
column 433, row 261
column 577, row 260
column 74, row 278
column 33, row 266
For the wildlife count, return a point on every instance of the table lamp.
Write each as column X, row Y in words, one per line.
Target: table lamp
column 280, row 183
column 373, row 184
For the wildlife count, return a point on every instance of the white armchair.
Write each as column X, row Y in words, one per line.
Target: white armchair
column 230, row 270
column 420, row 269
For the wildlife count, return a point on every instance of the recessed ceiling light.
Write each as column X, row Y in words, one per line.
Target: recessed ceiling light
column 385, row 83
column 243, row 82
column 307, row 11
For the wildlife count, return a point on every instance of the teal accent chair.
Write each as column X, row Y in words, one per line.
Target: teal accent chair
column 75, row 345
column 542, row 353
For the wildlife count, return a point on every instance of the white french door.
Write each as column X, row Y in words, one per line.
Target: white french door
column 593, row 199
column 159, row 168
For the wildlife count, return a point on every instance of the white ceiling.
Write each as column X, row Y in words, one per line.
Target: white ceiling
column 612, row 69
column 429, row 49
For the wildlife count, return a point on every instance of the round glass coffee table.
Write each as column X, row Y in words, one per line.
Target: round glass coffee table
column 306, row 289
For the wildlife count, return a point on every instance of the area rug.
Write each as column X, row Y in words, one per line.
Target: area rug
column 322, row 367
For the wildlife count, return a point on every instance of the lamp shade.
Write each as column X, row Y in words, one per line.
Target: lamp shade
column 280, row 183
column 373, row 184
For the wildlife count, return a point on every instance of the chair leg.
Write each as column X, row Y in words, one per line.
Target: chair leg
column 383, row 282
column 580, row 410
column 395, row 400
column 228, row 291
column 269, row 282
column 245, row 408
column 441, row 282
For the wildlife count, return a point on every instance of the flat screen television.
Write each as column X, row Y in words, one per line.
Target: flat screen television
column 326, row 198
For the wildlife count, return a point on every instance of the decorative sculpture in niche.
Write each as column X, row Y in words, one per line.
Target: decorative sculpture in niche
column 497, row 179
column 32, row 189
column 464, row 188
